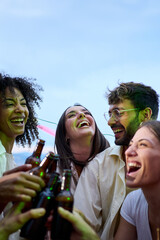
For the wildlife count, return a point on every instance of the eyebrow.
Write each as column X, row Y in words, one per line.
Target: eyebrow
column 12, row 99
column 142, row 139
column 70, row 112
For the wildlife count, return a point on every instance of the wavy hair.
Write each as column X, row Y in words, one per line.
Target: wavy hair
column 30, row 90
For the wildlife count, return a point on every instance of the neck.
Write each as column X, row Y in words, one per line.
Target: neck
column 81, row 150
column 7, row 142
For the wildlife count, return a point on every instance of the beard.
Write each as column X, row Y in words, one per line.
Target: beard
column 128, row 133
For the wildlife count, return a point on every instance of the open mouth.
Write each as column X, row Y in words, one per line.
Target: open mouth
column 117, row 129
column 83, row 124
column 18, row 121
column 133, row 167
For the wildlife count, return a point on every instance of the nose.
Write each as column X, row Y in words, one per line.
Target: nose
column 111, row 120
column 81, row 115
column 131, row 151
column 19, row 108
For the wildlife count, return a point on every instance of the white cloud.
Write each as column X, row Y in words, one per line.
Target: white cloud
column 19, row 149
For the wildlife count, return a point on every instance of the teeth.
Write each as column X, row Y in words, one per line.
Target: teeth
column 83, row 123
column 118, row 130
column 131, row 164
column 133, row 167
column 17, row 120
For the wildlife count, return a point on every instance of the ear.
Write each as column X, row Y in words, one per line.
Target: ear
column 145, row 115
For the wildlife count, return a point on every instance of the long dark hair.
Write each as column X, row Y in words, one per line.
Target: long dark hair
column 100, row 143
column 30, row 91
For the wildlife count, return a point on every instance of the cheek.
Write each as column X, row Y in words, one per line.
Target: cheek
column 69, row 127
column 27, row 112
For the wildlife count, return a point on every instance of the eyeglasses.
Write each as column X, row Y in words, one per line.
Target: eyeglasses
column 117, row 114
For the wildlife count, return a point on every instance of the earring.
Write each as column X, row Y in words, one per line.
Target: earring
column 67, row 141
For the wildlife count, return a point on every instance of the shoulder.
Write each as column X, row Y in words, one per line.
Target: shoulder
column 134, row 196
column 134, row 201
column 107, row 157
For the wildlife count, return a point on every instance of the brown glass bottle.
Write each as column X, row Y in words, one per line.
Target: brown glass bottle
column 52, row 167
column 43, row 166
column 40, row 171
column 34, row 159
column 35, row 229
column 61, row 228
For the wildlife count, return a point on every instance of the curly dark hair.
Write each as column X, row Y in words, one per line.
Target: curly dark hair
column 29, row 90
column 140, row 95
column 100, row 143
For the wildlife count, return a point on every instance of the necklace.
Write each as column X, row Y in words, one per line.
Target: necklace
column 158, row 230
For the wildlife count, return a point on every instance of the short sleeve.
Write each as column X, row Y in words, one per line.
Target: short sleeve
column 128, row 209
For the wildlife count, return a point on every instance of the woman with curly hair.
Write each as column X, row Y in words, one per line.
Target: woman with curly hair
column 18, row 123
column 18, row 97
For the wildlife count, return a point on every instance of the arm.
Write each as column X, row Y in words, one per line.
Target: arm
column 14, row 219
column 82, row 230
column 125, row 231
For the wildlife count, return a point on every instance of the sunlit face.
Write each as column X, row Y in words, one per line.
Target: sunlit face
column 13, row 114
column 143, row 159
column 79, row 123
column 125, row 127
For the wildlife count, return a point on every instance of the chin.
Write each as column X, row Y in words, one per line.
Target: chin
column 132, row 184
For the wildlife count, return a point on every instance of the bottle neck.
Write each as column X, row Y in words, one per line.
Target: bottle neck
column 66, row 181
column 38, row 150
column 53, row 181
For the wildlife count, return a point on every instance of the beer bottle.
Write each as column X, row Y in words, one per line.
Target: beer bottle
column 52, row 167
column 61, row 228
column 43, row 166
column 35, row 229
column 34, row 159
column 41, row 172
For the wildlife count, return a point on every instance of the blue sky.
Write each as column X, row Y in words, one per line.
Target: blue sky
column 77, row 49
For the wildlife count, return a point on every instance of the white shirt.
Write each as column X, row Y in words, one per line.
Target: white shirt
column 135, row 211
column 7, row 163
column 101, row 190
column 6, row 160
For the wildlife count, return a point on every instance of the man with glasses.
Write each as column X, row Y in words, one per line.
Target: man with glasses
column 101, row 189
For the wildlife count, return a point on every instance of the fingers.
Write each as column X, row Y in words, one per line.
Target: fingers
column 67, row 215
column 14, row 219
column 33, row 213
column 19, row 186
column 35, row 180
column 25, row 167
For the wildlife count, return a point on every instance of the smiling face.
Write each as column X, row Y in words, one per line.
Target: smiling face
column 13, row 114
column 79, row 123
column 143, row 159
column 125, row 127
